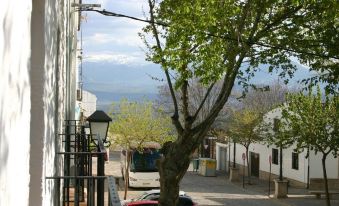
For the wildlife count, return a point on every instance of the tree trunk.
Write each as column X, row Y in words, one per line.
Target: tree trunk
column 328, row 203
column 173, row 166
column 234, row 153
column 128, row 158
column 248, row 167
column 281, row 164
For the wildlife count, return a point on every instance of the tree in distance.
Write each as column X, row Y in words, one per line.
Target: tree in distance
column 243, row 131
column 247, row 116
column 313, row 120
column 136, row 124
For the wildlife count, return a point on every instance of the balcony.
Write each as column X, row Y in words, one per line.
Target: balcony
column 79, row 186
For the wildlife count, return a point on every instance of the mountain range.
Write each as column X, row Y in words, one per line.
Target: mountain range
column 111, row 82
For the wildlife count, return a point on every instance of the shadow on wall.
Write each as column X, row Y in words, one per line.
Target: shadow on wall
column 14, row 79
column 7, row 32
column 51, row 97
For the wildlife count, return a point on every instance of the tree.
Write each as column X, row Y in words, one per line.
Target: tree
column 274, row 131
column 136, row 124
column 248, row 113
column 321, row 38
column 314, row 121
column 266, row 100
column 243, row 130
column 196, row 95
column 211, row 40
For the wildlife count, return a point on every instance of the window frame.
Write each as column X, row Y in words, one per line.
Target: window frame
column 295, row 161
column 275, row 158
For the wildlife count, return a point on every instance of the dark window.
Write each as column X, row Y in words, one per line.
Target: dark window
column 275, row 155
column 295, row 161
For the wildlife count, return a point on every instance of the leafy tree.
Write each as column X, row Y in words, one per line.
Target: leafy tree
column 137, row 124
column 211, row 40
column 274, row 131
column 320, row 38
column 243, row 130
column 314, row 121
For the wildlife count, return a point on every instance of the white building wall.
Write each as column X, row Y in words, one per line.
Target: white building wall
column 218, row 147
column 88, row 103
column 15, row 18
column 300, row 175
column 316, row 170
column 34, row 59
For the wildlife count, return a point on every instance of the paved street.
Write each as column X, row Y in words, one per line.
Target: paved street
column 219, row 191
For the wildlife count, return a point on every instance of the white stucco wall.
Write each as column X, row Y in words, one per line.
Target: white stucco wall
column 34, row 60
column 14, row 101
column 301, row 174
column 316, row 170
column 88, row 103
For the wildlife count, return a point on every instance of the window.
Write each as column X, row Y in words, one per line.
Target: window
column 295, row 161
column 275, row 154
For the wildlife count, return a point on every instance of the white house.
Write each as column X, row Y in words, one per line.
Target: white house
column 295, row 165
column 38, row 69
column 88, row 103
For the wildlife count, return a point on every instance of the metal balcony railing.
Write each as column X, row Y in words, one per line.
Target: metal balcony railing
column 80, row 187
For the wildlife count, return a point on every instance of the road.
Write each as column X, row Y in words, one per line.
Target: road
column 219, row 191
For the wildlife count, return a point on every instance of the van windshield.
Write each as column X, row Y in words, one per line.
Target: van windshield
column 144, row 161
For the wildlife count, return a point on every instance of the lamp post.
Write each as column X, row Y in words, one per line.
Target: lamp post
column 98, row 125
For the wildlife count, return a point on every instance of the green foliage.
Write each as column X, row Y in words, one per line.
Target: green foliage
column 276, row 131
column 135, row 124
column 243, row 126
column 211, row 40
column 210, row 36
column 313, row 120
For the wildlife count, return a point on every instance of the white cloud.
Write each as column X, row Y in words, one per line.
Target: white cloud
column 123, row 37
column 117, row 58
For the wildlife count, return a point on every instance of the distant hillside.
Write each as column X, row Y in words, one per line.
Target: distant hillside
column 111, row 82
column 105, row 99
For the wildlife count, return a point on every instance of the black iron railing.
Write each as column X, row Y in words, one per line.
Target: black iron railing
column 79, row 186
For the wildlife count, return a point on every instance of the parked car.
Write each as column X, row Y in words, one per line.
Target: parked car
column 143, row 203
column 152, row 196
column 183, row 201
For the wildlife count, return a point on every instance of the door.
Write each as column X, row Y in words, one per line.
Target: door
column 222, row 158
column 254, row 164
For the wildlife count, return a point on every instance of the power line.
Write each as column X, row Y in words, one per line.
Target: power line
column 109, row 13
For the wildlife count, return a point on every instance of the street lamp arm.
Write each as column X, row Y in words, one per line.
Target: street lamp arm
column 109, row 13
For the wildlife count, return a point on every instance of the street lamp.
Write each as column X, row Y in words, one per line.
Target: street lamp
column 98, row 125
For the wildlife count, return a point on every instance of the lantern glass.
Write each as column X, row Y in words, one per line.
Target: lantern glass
column 99, row 129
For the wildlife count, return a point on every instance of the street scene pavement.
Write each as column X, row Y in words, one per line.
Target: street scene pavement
column 219, row 190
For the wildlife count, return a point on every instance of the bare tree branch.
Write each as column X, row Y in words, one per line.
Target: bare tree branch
column 175, row 117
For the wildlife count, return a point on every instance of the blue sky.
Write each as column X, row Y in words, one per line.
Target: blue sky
column 113, row 54
column 112, row 39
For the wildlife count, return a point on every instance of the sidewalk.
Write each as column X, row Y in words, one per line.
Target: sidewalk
column 219, row 190
column 296, row 196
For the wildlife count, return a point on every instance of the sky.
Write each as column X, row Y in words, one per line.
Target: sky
column 114, row 64
column 114, row 39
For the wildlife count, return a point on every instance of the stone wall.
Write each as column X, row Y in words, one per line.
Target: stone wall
column 319, row 184
column 263, row 175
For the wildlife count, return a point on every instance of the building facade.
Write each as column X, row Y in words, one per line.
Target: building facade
column 298, row 168
column 38, row 68
column 88, row 104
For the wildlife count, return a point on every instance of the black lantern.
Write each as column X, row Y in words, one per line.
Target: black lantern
column 98, row 125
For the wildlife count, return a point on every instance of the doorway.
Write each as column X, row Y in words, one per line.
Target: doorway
column 254, row 164
column 222, row 158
